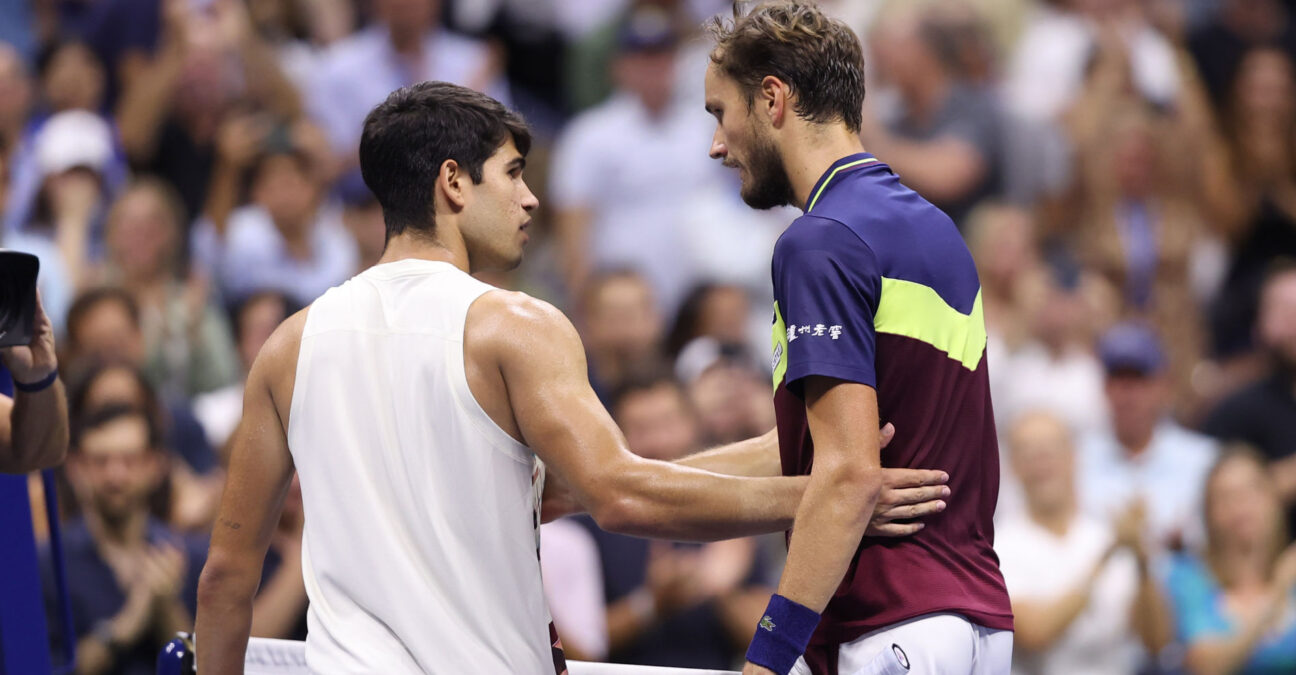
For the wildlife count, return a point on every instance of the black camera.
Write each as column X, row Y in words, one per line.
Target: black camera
column 17, row 297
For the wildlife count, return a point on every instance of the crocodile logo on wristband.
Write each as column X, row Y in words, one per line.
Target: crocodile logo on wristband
column 767, row 623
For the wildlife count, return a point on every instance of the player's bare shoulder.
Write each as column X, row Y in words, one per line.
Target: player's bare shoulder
column 502, row 324
column 274, row 371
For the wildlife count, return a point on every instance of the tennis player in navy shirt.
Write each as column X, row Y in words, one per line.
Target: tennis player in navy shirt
column 877, row 316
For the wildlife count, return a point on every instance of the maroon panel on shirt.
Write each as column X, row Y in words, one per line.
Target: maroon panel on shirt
column 943, row 420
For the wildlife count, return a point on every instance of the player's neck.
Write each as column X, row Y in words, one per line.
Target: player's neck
column 413, row 246
column 809, row 156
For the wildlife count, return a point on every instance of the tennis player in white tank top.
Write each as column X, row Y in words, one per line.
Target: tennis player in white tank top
column 416, row 403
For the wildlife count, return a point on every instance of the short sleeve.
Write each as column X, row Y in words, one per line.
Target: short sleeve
column 826, row 287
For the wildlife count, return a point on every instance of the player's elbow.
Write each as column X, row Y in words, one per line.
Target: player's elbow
column 852, row 485
column 623, row 514
column 226, row 580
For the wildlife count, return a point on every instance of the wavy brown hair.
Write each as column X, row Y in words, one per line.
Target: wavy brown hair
column 819, row 58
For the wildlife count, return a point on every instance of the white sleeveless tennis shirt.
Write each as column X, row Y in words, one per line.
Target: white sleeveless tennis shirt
column 422, row 516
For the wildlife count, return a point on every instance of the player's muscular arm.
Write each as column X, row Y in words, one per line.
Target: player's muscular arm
column 844, row 486
column 757, row 456
column 260, row 472
column 541, row 361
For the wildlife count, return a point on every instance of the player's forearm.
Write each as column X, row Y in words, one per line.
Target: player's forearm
column 224, row 619
column 829, row 526
column 39, row 430
column 666, row 501
column 753, row 457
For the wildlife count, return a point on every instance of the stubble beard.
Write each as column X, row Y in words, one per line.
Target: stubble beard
column 768, row 185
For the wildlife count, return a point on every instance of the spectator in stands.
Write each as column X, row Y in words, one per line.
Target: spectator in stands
column 1138, row 221
column 210, row 61
column 1263, row 415
column 731, row 396
column 255, row 319
column 622, row 330
column 192, row 489
column 133, row 581
column 713, row 310
column 187, row 342
column 1084, row 599
column 1047, row 71
column 1145, row 457
column 72, row 78
column 623, row 170
column 667, row 605
column 1055, row 368
column 16, row 97
column 1219, row 46
column 405, row 44
column 289, row 238
column 1234, row 604
column 70, row 156
column 945, row 139
column 1250, row 188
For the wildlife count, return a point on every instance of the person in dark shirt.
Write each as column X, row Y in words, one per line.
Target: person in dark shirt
column 1263, row 415
column 133, row 582
column 877, row 316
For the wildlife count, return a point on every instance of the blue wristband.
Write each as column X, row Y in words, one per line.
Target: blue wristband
column 782, row 635
column 35, row 387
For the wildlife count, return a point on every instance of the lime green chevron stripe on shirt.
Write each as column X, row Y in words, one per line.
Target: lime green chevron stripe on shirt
column 833, row 175
column 917, row 311
column 778, row 338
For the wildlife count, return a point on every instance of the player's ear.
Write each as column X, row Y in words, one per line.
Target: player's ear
column 450, row 182
column 772, row 99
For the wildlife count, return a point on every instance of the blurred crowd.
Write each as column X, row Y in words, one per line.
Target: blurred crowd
column 1124, row 172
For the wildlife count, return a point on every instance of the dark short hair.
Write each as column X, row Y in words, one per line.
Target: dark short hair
column 409, row 136
column 102, row 416
column 818, row 57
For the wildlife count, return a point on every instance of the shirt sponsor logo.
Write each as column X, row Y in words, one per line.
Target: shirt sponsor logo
column 833, row 332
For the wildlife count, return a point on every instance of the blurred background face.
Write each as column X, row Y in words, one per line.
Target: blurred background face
column 1003, row 242
column 1137, row 402
column 1044, row 460
column 257, row 321
column 142, row 234
column 657, row 422
column 116, row 385
column 1277, row 323
column 408, row 16
column 1243, row 504
column 732, row 403
column 1264, row 86
column 623, row 319
column 74, row 79
column 649, row 75
column 15, row 88
column 724, row 313
column 1134, row 157
column 286, row 191
column 107, row 333
column 115, row 469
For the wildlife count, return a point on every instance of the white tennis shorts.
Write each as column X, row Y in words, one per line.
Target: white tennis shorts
column 932, row 644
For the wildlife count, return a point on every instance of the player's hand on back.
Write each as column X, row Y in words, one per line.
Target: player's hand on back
column 906, row 494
